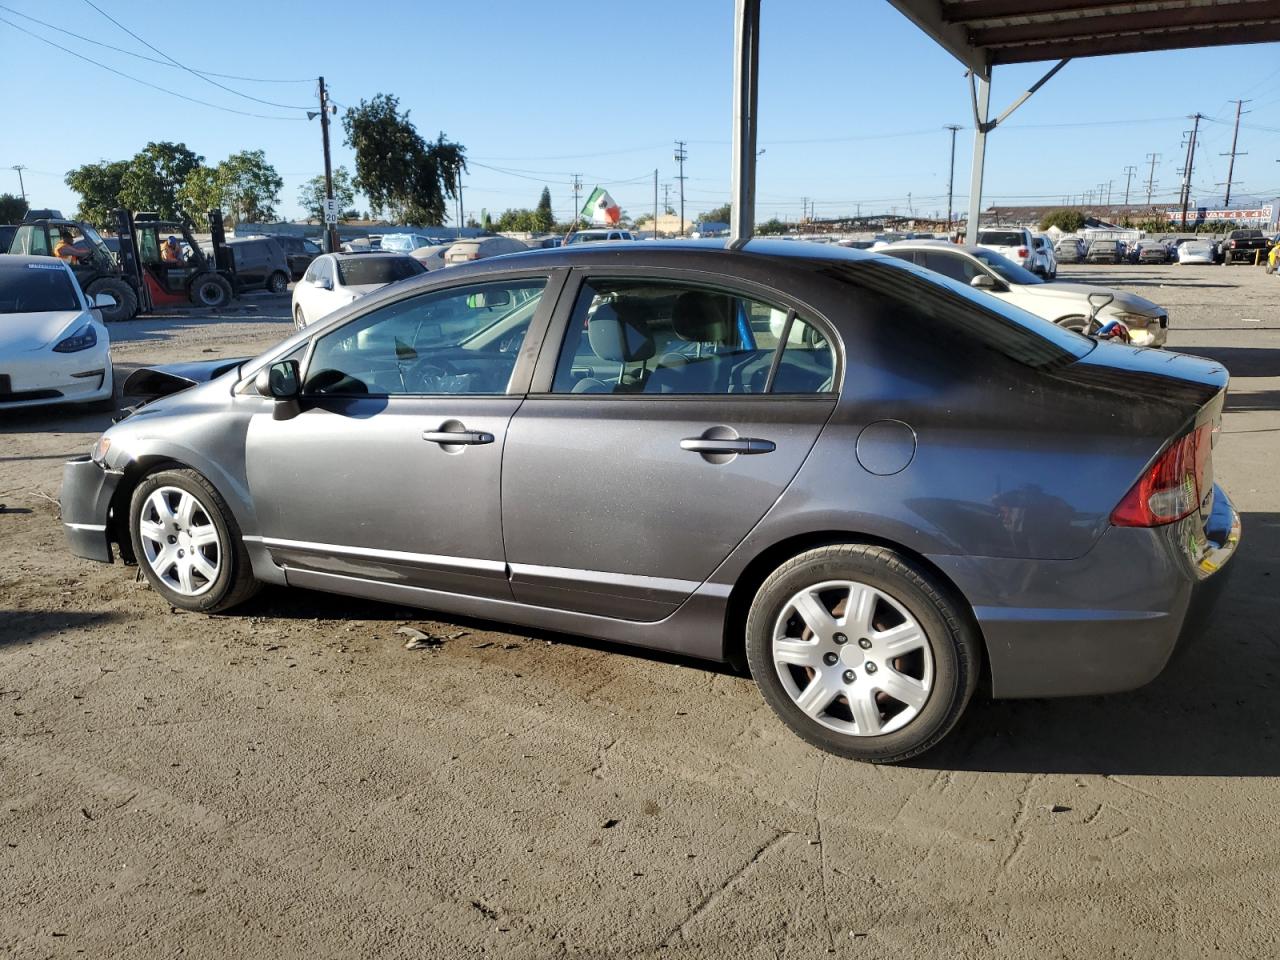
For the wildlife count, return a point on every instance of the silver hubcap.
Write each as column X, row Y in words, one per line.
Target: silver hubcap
column 179, row 541
column 853, row 658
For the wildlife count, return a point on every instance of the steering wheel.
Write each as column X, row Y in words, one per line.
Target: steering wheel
column 429, row 371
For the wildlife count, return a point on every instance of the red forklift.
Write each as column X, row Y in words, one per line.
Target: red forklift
column 168, row 275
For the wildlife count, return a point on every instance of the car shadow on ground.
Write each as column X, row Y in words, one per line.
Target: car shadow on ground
column 1211, row 713
column 27, row 626
column 295, row 603
column 1256, row 400
column 1239, row 361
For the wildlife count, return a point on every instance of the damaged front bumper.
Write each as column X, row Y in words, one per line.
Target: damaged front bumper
column 87, row 491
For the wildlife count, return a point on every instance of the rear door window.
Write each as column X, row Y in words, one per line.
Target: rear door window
column 630, row 336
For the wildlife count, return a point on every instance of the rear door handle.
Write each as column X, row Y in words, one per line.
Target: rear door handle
column 461, row 437
column 742, row 445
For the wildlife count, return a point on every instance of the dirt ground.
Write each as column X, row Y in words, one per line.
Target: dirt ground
column 291, row 781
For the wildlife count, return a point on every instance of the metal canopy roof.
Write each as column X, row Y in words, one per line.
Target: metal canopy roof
column 983, row 33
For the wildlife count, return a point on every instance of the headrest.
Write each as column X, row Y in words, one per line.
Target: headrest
column 702, row 317
column 619, row 334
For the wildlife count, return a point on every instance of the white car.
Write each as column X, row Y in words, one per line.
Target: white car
column 595, row 236
column 403, row 242
column 1047, row 258
column 1066, row 304
column 1198, row 251
column 1012, row 243
column 480, row 248
column 336, row 279
column 54, row 346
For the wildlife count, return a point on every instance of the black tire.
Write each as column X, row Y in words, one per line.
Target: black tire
column 126, row 307
column 278, row 282
column 210, row 290
column 234, row 582
column 952, row 640
column 299, row 320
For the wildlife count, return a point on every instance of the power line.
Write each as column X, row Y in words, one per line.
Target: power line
column 194, row 73
column 146, row 83
column 143, row 56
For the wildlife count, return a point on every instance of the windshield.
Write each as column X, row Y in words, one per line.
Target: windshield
column 359, row 271
column 36, row 288
column 1001, row 238
column 1007, row 270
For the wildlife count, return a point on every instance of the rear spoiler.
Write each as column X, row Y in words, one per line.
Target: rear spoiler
column 151, row 383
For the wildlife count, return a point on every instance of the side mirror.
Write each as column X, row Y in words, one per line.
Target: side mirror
column 983, row 282
column 283, row 383
column 324, row 283
column 103, row 301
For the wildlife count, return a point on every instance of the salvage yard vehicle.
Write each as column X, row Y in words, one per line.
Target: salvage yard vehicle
column 96, row 270
column 336, row 279
column 260, row 263
column 1149, row 251
column 478, row 248
column 1243, row 246
column 1071, row 305
column 1104, row 251
column 1013, row 243
column 801, row 457
column 1198, row 252
column 1069, row 250
column 54, row 346
column 1046, row 259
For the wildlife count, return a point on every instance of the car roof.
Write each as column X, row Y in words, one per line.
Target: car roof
column 15, row 260
column 798, row 251
column 368, row 255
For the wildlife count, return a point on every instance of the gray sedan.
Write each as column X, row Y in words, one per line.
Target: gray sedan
column 869, row 483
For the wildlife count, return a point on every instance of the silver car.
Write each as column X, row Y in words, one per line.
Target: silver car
column 871, row 484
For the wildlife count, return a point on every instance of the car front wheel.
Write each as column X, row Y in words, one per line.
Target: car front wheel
column 188, row 544
column 862, row 653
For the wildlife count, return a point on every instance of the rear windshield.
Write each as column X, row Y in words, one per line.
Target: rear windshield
column 1001, row 238
column 954, row 319
column 361, row 270
column 36, row 288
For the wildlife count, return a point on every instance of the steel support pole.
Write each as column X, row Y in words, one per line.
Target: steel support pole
column 981, row 88
column 746, row 77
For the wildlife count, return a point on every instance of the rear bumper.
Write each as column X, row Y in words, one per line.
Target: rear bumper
column 1106, row 622
column 87, row 489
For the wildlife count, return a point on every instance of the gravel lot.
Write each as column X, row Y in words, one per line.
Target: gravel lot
column 292, row 782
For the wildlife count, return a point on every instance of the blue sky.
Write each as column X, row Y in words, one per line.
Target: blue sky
column 853, row 100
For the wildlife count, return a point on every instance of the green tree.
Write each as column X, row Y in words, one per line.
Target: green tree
column 311, row 196
column 773, row 227
column 395, row 168
column 100, row 186
column 719, row 214
column 202, row 191
column 546, row 219
column 155, row 175
column 251, row 187
column 1068, row 221
column 518, row 221
column 12, row 209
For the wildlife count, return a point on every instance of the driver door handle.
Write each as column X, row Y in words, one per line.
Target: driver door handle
column 462, row 437
column 742, row 445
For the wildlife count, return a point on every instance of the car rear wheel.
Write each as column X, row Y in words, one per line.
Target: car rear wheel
column 210, row 290
column 188, row 543
column 278, row 282
column 861, row 653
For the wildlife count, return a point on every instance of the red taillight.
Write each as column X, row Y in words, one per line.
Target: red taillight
column 1022, row 251
column 1171, row 488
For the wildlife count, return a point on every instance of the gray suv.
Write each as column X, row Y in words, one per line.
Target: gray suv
column 796, row 457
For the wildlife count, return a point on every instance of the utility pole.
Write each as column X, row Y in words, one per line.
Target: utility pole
column 577, row 210
column 804, row 209
column 681, row 155
column 1128, row 178
column 21, row 186
column 330, row 225
column 666, row 197
column 1151, row 177
column 655, row 203
column 1231, row 164
column 1190, row 166
column 951, row 177
column 462, row 211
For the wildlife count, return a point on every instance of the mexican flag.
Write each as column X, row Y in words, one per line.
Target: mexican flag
column 601, row 208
